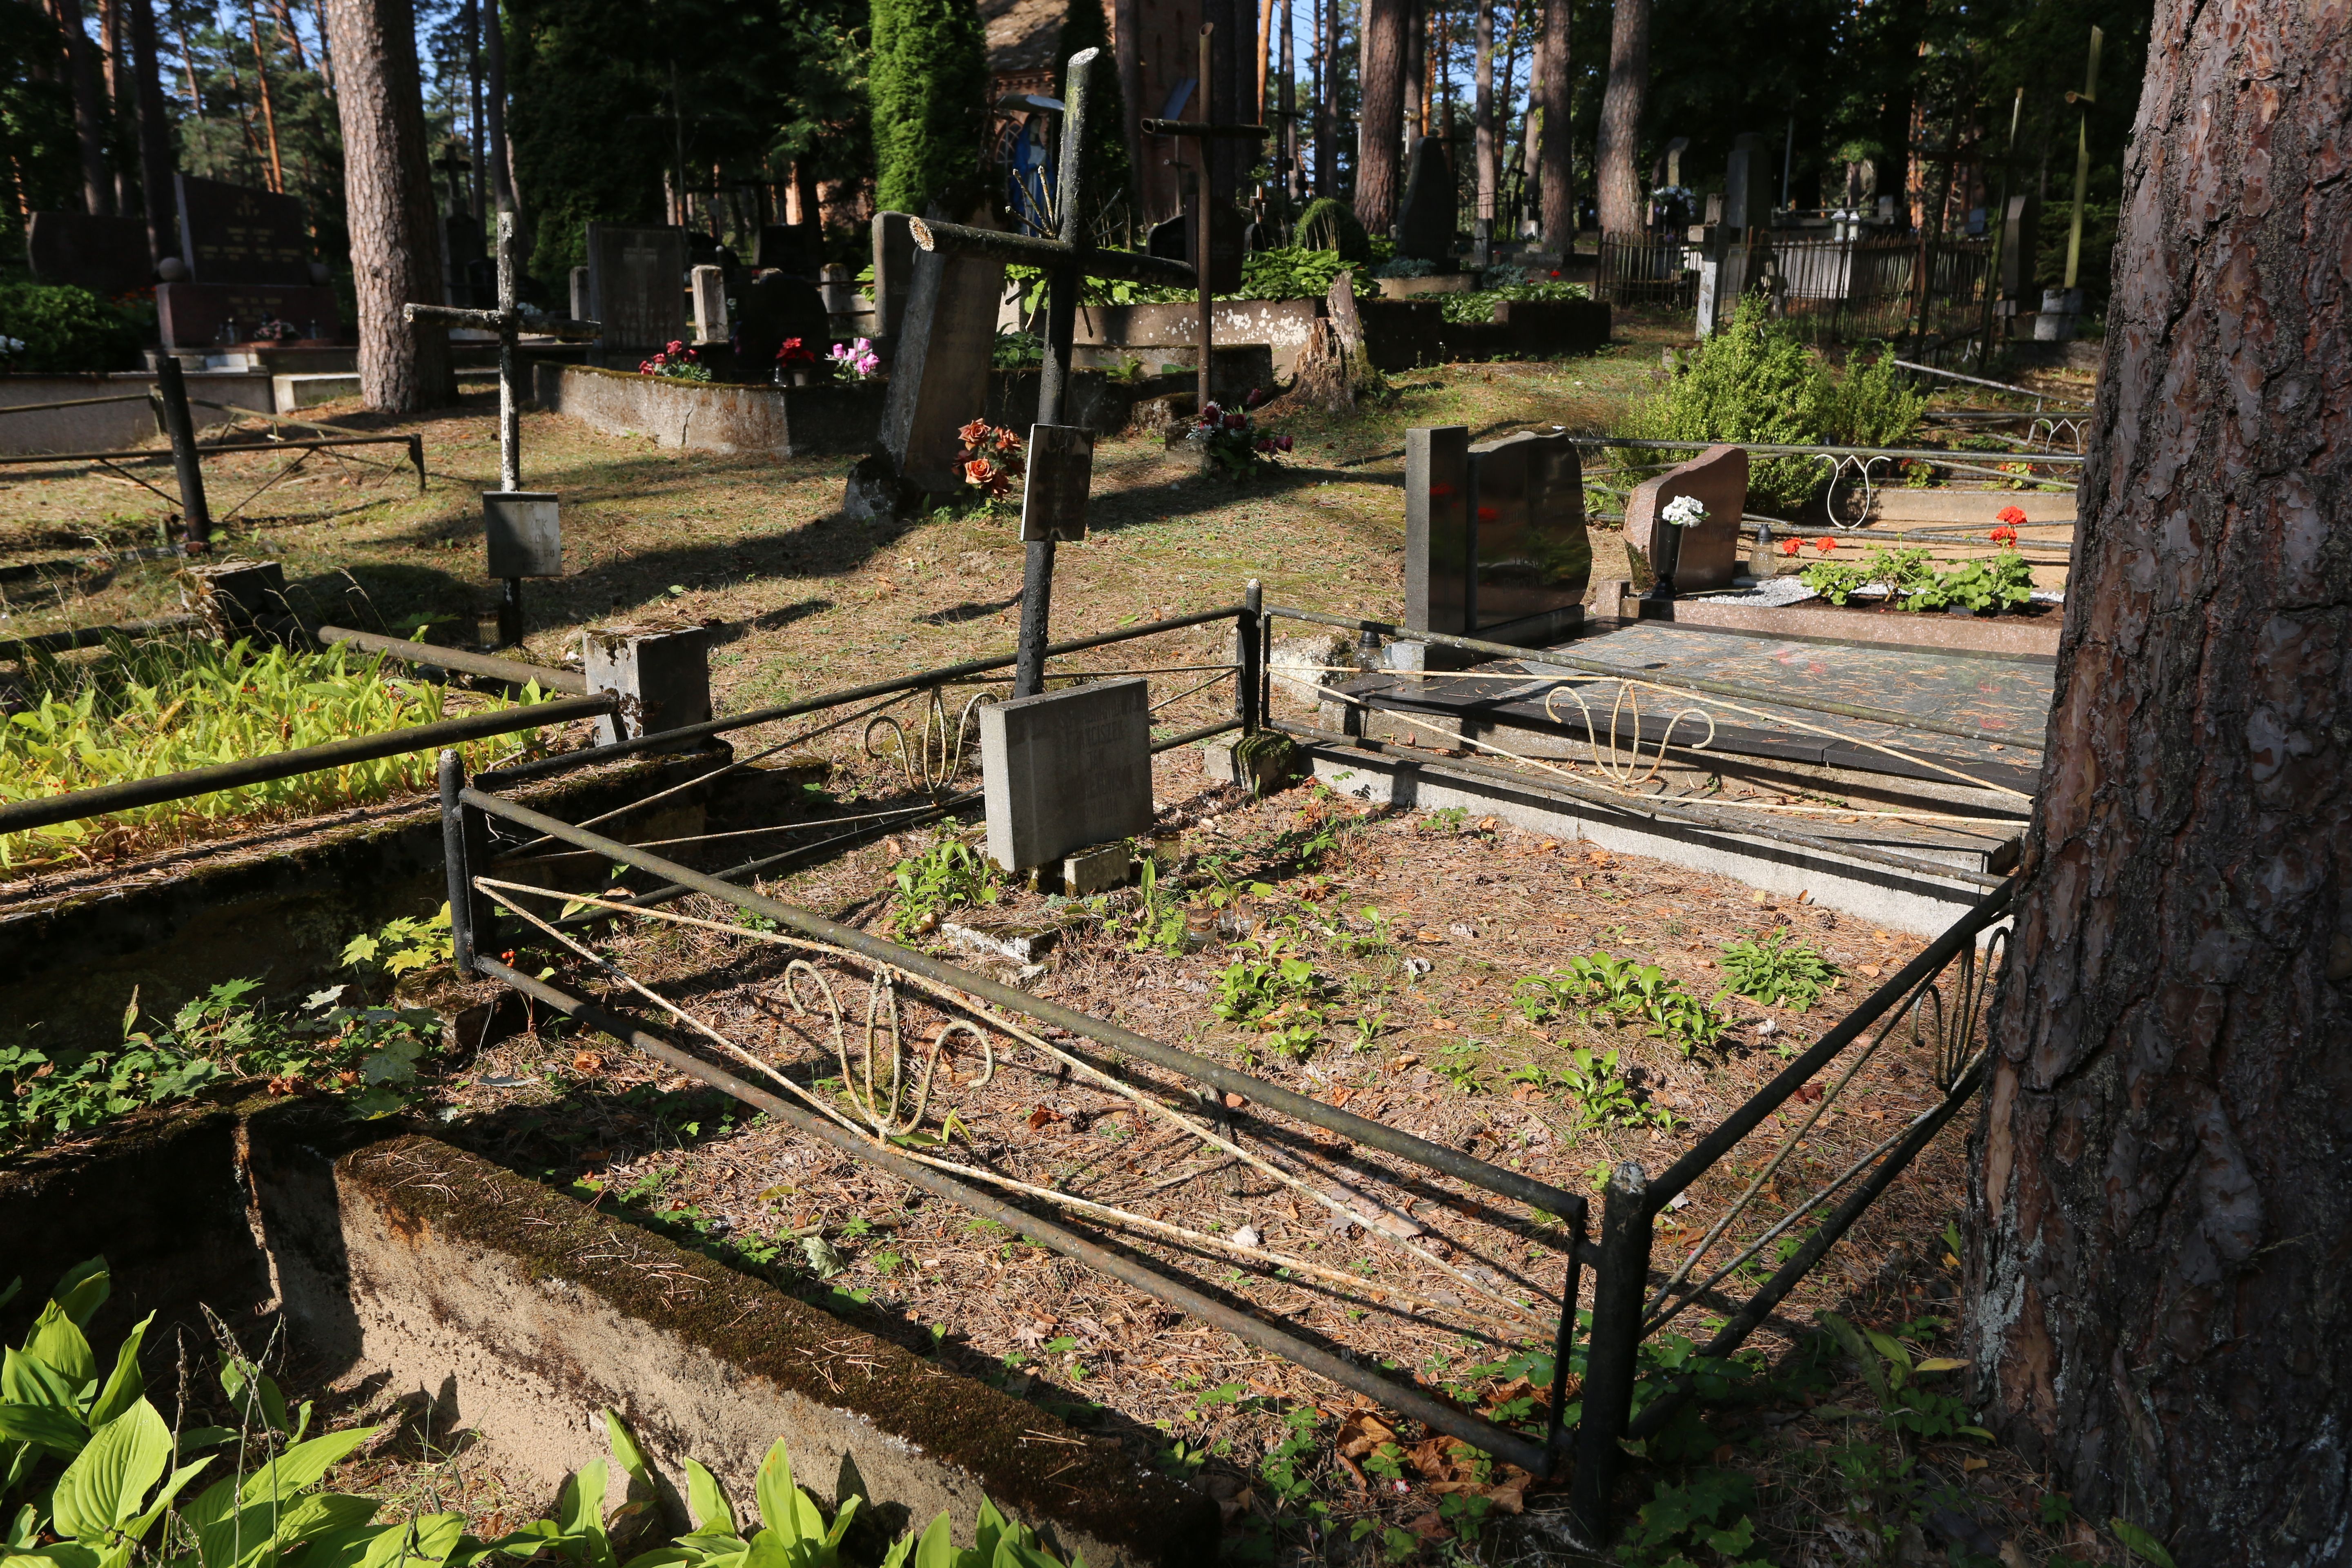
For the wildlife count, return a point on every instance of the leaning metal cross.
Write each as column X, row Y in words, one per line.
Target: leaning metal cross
column 1197, row 197
column 1066, row 262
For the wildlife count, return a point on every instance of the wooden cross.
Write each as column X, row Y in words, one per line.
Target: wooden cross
column 1203, row 131
column 1058, row 464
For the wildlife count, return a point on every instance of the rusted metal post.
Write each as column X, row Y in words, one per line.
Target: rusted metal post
column 1618, row 1285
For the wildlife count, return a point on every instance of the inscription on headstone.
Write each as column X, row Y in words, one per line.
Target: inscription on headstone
column 234, row 234
column 1066, row 770
column 1054, row 490
column 636, row 286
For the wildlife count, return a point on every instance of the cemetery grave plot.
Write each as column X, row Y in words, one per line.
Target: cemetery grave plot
column 1410, row 1017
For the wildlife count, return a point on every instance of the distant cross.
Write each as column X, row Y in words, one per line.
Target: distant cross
column 1197, row 194
column 1067, row 262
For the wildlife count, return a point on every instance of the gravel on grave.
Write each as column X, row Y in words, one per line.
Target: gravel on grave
column 1473, row 908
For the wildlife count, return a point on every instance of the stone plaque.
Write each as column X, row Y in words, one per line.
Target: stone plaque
column 234, row 234
column 636, row 286
column 107, row 256
column 524, row 533
column 192, row 315
column 661, row 674
column 1705, row 554
column 1054, row 493
column 1534, row 558
column 1066, row 770
column 710, row 305
column 1437, row 569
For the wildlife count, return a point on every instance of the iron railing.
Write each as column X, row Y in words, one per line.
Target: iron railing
column 1940, row 993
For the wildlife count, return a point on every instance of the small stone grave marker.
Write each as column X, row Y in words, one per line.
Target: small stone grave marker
column 1053, row 491
column 1705, row 554
column 709, row 305
column 1437, row 530
column 636, row 286
column 939, row 380
column 1066, row 770
column 1534, row 557
column 663, row 676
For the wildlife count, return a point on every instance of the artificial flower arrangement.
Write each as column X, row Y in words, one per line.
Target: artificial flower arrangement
column 1230, row 438
column 675, row 362
column 989, row 461
column 1684, row 512
column 857, row 361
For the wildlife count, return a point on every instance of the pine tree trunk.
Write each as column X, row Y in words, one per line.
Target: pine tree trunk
column 89, row 110
column 1618, row 157
column 2162, row 1217
column 395, row 255
column 1380, row 123
column 1552, row 84
column 154, row 133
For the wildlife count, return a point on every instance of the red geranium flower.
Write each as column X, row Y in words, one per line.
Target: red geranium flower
column 795, row 352
column 2014, row 516
column 1825, row 544
column 1790, row 546
column 2004, row 535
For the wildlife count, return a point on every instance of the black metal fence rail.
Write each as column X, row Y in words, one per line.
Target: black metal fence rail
column 466, row 838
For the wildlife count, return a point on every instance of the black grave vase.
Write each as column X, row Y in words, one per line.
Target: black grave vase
column 1667, row 540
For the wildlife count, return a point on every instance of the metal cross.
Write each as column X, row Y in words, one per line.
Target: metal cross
column 1067, row 262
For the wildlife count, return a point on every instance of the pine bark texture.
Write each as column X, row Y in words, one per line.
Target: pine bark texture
column 1617, row 159
column 1379, row 124
column 162, row 206
column 395, row 255
column 1551, row 85
column 2158, row 1304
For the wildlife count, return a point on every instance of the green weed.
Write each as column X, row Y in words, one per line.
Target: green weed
column 1621, row 988
column 1779, row 969
column 949, row 876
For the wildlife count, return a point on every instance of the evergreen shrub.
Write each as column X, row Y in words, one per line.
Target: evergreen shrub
column 928, row 86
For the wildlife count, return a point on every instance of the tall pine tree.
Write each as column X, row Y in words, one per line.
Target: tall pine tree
column 928, row 85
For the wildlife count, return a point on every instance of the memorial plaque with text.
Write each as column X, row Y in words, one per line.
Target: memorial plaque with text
column 1054, row 493
column 234, row 234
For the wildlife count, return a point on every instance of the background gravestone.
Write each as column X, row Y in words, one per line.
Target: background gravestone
column 1425, row 227
column 1707, row 553
column 788, row 247
column 248, row 254
column 775, row 306
column 107, row 256
column 1534, row 557
column 636, row 286
column 939, row 377
column 1066, row 770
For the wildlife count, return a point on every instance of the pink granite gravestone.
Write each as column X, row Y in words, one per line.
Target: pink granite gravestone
column 1708, row 553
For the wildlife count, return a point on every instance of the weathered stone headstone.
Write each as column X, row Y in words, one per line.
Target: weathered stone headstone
column 1707, row 554
column 1066, row 770
column 1171, row 240
column 1534, row 557
column 894, row 272
column 1060, row 471
column 1437, row 563
column 523, row 532
column 581, row 309
column 939, row 380
column 636, row 286
column 1743, row 202
column 1425, row 227
column 663, row 677
column 107, row 256
column 710, row 290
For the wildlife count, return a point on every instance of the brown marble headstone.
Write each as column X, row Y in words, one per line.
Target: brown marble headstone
column 1708, row 553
